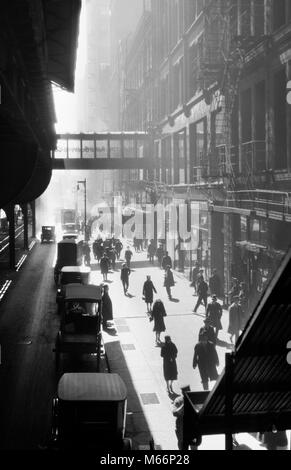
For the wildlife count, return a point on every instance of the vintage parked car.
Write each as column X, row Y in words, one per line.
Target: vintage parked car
column 48, row 234
column 89, row 413
column 80, row 328
column 71, row 275
column 69, row 253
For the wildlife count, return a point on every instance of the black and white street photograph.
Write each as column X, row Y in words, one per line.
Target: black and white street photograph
column 145, row 228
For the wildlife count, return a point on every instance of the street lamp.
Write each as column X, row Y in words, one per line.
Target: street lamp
column 85, row 204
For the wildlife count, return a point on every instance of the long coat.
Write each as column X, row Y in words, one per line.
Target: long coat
column 158, row 315
column 214, row 313
column 169, row 353
column 205, row 356
column 169, row 279
column 107, row 311
column 148, row 292
column 104, row 265
column 235, row 319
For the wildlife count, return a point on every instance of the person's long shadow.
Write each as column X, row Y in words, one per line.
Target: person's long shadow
column 174, row 300
column 111, row 331
column 129, row 295
column 109, row 281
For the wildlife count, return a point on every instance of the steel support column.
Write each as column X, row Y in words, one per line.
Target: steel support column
column 25, row 223
column 11, row 219
column 229, row 362
column 32, row 206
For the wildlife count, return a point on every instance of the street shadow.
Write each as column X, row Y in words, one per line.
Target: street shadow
column 109, row 281
column 201, row 315
column 173, row 395
column 174, row 300
column 137, row 427
column 129, row 295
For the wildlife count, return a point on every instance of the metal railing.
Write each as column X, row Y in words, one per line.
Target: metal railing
column 262, row 200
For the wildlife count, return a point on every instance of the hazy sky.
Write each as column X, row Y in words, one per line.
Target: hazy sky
column 65, row 103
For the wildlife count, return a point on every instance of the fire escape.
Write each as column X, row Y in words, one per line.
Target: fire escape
column 229, row 38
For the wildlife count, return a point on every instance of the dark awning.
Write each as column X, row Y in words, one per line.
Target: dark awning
column 254, row 391
column 62, row 26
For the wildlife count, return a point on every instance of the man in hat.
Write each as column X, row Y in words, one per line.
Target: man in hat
column 208, row 330
column 235, row 319
column 214, row 314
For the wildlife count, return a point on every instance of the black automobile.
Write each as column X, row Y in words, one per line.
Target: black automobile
column 48, row 234
column 71, row 275
column 69, row 253
column 89, row 413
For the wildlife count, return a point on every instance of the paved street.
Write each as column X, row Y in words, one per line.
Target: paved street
column 29, row 323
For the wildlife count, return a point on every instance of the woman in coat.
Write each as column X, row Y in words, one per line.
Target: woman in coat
column 148, row 293
column 169, row 281
column 169, row 353
column 158, row 315
column 107, row 311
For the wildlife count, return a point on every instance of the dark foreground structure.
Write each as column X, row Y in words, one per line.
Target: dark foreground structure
column 254, row 392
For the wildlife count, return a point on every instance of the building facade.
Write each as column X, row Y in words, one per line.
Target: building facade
column 208, row 79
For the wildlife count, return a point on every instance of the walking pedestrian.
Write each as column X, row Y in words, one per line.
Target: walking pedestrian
column 195, row 272
column 118, row 248
column 167, row 261
column 169, row 281
column 87, row 254
column 208, row 330
column 151, row 252
column 169, row 353
column 234, row 291
column 178, row 413
column 206, row 358
column 214, row 314
column 160, row 254
column 158, row 314
column 104, row 266
column 202, row 292
column 235, row 319
column 124, row 276
column 215, row 284
column 148, row 293
column 128, row 255
column 107, row 310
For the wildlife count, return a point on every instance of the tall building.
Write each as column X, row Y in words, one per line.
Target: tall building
column 208, row 79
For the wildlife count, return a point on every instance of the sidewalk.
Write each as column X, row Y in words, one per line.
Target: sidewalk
column 132, row 352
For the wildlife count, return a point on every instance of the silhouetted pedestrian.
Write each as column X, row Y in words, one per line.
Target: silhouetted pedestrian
column 124, row 276
column 194, row 275
column 235, row 319
column 148, row 293
column 202, row 292
column 215, row 284
column 104, row 266
column 214, row 314
column 151, row 252
column 206, row 358
column 208, row 330
column 169, row 353
column 128, row 255
column 158, row 314
column 107, row 310
column 167, row 261
column 160, row 254
column 169, row 281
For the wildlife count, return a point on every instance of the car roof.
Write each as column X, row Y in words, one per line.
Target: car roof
column 68, row 241
column 86, row 293
column 76, row 269
column 96, row 386
column 48, row 226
